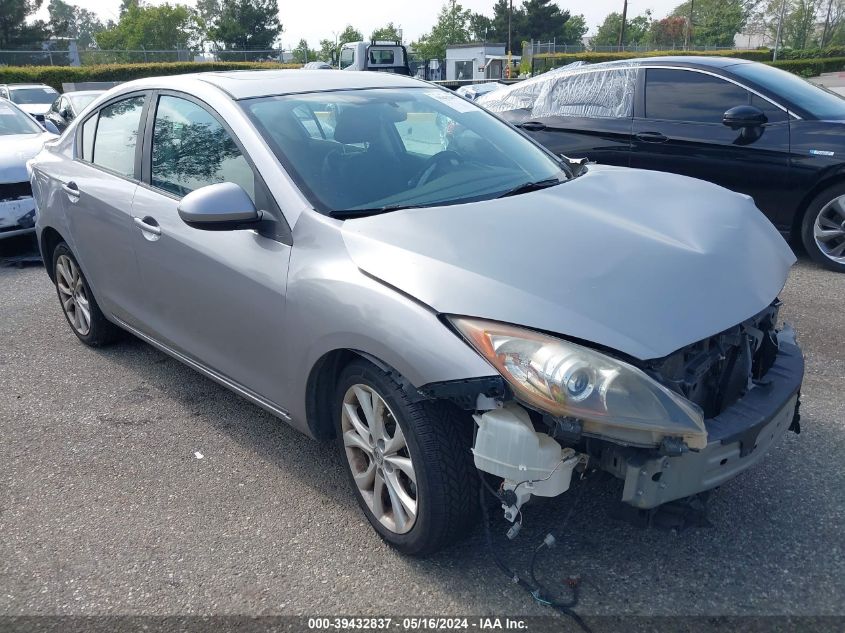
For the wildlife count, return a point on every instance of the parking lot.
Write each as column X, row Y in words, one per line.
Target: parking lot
column 129, row 484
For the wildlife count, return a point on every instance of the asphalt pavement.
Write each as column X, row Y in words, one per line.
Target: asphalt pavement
column 130, row 484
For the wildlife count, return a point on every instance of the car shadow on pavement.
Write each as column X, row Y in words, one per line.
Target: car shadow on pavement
column 699, row 568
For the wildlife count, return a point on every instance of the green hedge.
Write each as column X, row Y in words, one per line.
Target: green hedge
column 56, row 75
column 757, row 55
column 811, row 53
column 811, row 67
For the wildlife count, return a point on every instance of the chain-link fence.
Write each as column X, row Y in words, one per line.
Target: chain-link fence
column 529, row 49
column 72, row 56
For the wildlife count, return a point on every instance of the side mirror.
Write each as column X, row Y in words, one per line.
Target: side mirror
column 744, row 116
column 50, row 126
column 224, row 206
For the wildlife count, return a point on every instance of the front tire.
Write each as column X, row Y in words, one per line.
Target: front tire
column 823, row 228
column 78, row 303
column 409, row 462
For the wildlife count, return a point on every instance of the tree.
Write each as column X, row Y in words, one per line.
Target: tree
column 481, row 27
column 162, row 27
column 15, row 31
column 668, row 32
column 636, row 30
column 532, row 20
column 452, row 27
column 247, row 24
column 302, row 54
column 388, row 32
column 327, row 51
column 715, row 22
column 68, row 20
column 542, row 20
column 574, row 30
column 799, row 22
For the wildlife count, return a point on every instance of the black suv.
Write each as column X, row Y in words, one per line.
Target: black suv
column 746, row 126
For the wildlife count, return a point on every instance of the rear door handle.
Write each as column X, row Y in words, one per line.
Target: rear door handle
column 71, row 190
column 148, row 225
column 651, row 137
column 532, row 126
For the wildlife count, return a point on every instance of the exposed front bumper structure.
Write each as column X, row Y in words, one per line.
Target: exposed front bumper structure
column 737, row 439
column 17, row 217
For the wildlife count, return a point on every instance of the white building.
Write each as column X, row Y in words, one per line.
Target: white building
column 478, row 61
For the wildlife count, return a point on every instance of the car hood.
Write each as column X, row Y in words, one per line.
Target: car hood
column 17, row 149
column 638, row 261
column 34, row 108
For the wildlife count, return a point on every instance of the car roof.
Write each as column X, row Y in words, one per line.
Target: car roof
column 14, row 86
column 687, row 60
column 246, row 84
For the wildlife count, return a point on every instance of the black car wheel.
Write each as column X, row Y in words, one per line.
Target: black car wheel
column 78, row 303
column 409, row 462
column 823, row 228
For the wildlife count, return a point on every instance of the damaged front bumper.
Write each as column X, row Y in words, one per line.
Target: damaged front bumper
column 737, row 439
column 17, row 216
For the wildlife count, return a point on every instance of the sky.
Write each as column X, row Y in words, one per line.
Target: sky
column 321, row 19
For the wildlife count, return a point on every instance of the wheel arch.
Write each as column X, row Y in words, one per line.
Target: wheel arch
column 50, row 239
column 322, row 381
column 828, row 181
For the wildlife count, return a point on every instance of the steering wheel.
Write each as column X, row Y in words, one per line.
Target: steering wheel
column 436, row 164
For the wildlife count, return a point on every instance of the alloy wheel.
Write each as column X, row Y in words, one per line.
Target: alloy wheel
column 73, row 294
column 829, row 230
column 378, row 455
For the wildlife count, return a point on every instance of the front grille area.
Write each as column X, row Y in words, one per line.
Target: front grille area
column 718, row 371
column 15, row 191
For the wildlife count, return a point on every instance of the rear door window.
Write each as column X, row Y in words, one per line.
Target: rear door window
column 117, row 136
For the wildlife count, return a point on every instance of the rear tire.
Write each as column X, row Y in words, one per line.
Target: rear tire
column 78, row 304
column 384, row 437
column 823, row 228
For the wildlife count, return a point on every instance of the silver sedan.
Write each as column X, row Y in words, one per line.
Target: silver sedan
column 380, row 261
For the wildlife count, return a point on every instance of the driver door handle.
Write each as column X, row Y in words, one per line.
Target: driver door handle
column 71, row 190
column 148, row 225
column 651, row 137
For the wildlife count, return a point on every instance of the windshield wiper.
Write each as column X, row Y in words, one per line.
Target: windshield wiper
column 360, row 213
column 531, row 186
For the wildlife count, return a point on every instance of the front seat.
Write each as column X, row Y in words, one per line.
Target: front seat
column 354, row 176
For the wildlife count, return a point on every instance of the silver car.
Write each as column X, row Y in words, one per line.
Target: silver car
column 377, row 260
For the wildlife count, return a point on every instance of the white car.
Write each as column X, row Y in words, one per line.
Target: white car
column 34, row 99
column 21, row 138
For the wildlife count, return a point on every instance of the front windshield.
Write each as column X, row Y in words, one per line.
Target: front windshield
column 821, row 104
column 375, row 150
column 13, row 121
column 81, row 100
column 30, row 96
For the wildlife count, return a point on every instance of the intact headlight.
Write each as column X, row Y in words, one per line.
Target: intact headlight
column 611, row 397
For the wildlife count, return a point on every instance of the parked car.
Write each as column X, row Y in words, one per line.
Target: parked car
column 317, row 66
column 746, row 126
column 34, row 99
column 21, row 138
column 393, row 288
column 67, row 106
column 473, row 91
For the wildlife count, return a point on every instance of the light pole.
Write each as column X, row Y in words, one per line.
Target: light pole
column 689, row 43
column 622, row 27
column 510, row 11
column 780, row 26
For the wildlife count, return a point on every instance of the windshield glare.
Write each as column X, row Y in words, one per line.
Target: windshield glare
column 13, row 121
column 29, row 96
column 822, row 104
column 373, row 150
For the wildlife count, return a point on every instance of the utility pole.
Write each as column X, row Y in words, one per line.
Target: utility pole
column 622, row 28
column 689, row 41
column 826, row 23
column 510, row 11
column 780, row 26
